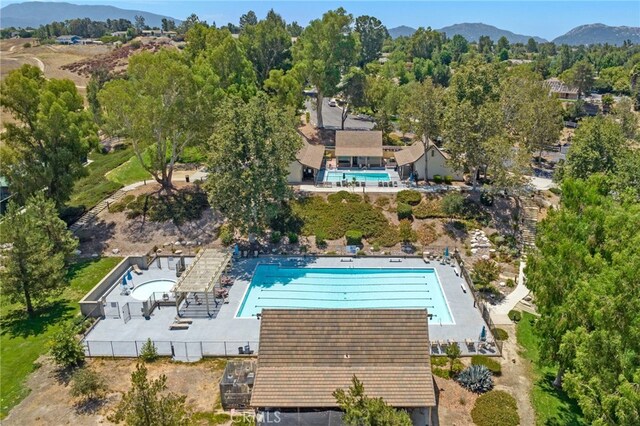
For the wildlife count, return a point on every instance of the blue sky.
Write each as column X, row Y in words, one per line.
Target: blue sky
column 547, row 19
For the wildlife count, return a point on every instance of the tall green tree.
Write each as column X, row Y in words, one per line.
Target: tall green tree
column 35, row 267
column 425, row 42
column 372, row 35
column 162, row 106
column 250, row 153
column 148, row 404
column 324, row 51
column 285, row 88
column 458, row 46
column 248, row 19
column 267, row 44
column 423, row 112
column 45, row 147
column 584, row 277
column 581, row 76
column 294, row 29
column 362, row 410
column 623, row 112
column 353, row 92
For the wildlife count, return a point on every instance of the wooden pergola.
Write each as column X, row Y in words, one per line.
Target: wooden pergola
column 202, row 275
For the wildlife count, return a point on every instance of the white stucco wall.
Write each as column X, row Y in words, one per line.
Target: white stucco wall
column 437, row 166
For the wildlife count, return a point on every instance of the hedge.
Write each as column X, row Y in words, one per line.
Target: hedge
column 354, row 237
column 339, row 196
column 448, row 179
column 501, row 334
column 437, row 179
column 492, row 364
column 495, row 408
column 515, row 316
column 409, row 196
column 405, row 211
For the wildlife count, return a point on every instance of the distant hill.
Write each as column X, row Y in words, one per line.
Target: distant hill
column 34, row 14
column 401, row 31
column 472, row 32
column 599, row 34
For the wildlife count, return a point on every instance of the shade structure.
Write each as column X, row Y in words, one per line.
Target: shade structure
column 205, row 271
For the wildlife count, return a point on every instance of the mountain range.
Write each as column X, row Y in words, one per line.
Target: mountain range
column 584, row 34
column 33, row 14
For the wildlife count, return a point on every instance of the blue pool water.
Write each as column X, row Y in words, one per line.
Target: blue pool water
column 339, row 176
column 275, row 286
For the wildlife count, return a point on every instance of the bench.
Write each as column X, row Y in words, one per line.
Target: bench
column 395, row 260
column 178, row 326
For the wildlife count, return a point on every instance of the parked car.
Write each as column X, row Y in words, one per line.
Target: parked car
column 333, row 102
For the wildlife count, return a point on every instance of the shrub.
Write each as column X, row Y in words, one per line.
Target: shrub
column 148, row 351
column 441, row 372
column 515, row 316
column 26, row 45
column 65, row 348
column 438, row 361
column 453, row 353
column 486, row 199
column 361, row 253
column 87, row 384
column 501, row 334
column 428, row 207
column 453, row 204
column 495, row 408
column 510, row 283
column 404, row 211
column 339, row 196
column 427, row 234
column 555, row 190
column 476, row 378
column 492, row 364
column 456, row 367
column 226, row 235
column 354, row 237
column 437, row 179
column 406, row 232
column 293, row 238
column 321, row 240
column 307, row 116
column 409, row 196
column 485, row 271
column 382, row 202
column 448, row 179
column 389, row 237
column 375, row 247
column 275, row 237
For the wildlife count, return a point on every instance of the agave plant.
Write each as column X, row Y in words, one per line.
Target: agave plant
column 476, row 378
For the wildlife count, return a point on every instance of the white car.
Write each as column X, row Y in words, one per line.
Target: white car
column 333, row 102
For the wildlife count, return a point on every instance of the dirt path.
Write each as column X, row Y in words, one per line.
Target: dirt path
column 516, row 377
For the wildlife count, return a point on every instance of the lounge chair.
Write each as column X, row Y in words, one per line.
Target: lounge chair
column 395, row 183
column 363, row 184
column 179, row 326
column 338, row 184
column 380, row 184
column 137, row 269
column 385, row 184
column 357, row 184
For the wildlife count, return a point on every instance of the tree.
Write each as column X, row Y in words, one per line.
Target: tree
column 361, row 410
column 248, row 19
column 372, row 36
column 148, row 404
column 459, row 46
column 250, row 153
column 424, row 43
column 585, row 281
column 294, row 29
column 66, row 350
column 35, row 267
column 485, row 45
column 353, row 90
column 87, row 384
column 324, row 51
column 46, row 146
column 423, row 112
column 453, row 204
column 582, row 77
column 598, row 146
column 532, row 45
column 161, row 105
column 623, row 112
column 267, row 44
column 99, row 76
column 188, row 23
column 503, row 44
column 168, row 24
column 285, row 88
column 453, row 353
column 485, row 272
column 139, row 23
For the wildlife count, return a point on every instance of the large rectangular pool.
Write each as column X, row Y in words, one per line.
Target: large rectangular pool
column 279, row 286
column 360, row 176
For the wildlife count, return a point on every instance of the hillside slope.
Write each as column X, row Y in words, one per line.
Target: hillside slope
column 599, row 34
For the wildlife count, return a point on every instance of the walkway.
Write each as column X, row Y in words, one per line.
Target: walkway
column 500, row 312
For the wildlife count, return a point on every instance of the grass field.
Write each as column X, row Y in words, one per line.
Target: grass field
column 128, row 172
column 552, row 406
column 23, row 340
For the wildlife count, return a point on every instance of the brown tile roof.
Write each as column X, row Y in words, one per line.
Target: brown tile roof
column 354, row 143
column 305, row 354
column 311, row 155
column 412, row 153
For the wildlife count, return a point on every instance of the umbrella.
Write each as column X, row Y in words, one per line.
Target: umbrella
column 446, row 251
column 236, row 250
column 124, row 280
column 129, row 277
column 483, row 334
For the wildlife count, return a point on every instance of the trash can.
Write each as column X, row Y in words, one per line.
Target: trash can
column 186, row 178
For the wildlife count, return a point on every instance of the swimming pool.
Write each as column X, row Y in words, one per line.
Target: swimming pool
column 145, row 290
column 278, row 286
column 360, row 176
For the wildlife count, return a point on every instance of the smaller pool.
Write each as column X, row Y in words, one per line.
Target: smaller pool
column 145, row 290
column 360, row 176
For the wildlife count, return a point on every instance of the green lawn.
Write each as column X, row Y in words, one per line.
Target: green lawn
column 129, row 172
column 552, row 406
column 23, row 340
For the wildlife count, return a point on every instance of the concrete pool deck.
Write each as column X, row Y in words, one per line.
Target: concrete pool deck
column 224, row 333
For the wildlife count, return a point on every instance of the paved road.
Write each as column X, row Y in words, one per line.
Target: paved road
column 332, row 117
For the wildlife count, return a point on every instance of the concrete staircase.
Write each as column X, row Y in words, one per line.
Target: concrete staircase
column 529, row 224
column 90, row 216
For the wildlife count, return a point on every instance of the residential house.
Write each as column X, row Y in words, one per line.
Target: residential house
column 159, row 33
column 307, row 163
column 359, row 148
column 561, row 89
column 68, row 39
column 306, row 354
column 412, row 160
